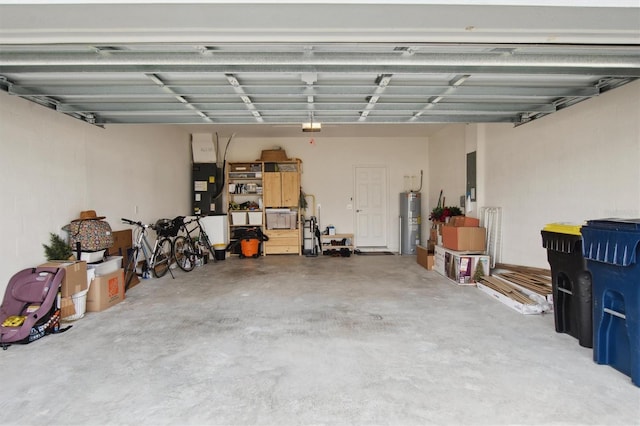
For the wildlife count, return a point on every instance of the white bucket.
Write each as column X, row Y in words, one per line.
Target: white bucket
column 80, row 304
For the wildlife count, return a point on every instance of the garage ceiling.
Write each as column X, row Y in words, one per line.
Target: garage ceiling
column 242, row 63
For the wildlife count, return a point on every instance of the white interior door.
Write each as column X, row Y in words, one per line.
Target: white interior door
column 371, row 206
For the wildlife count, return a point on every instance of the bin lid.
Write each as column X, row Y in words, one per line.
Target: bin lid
column 611, row 241
column 563, row 228
column 615, row 224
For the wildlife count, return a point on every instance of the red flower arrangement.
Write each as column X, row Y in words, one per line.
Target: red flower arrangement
column 440, row 214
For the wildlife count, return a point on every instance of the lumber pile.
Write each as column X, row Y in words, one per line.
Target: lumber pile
column 506, row 289
column 528, row 286
column 524, row 269
column 524, row 289
column 536, row 283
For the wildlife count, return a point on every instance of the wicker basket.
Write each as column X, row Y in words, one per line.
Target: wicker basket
column 273, row 155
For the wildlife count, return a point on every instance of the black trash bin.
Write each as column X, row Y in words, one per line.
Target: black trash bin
column 571, row 281
column 612, row 250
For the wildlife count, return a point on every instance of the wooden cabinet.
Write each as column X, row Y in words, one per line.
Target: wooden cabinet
column 282, row 241
column 281, row 189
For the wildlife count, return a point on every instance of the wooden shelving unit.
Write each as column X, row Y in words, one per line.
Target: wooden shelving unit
column 244, row 196
column 270, row 188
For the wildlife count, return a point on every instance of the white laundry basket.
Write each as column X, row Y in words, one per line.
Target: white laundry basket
column 80, row 304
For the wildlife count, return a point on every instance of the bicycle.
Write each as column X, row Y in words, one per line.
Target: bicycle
column 186, row 248
column 143, row 257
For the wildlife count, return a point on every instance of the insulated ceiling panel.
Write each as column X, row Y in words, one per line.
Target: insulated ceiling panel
column 142, row 63
column 276, row 84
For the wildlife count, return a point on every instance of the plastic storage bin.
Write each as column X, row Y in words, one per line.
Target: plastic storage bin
column 238, row 218
column 611, row 248
column 108, row 266
column 571, row 282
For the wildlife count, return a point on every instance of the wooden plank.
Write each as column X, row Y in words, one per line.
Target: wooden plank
column 524, row 269
column 506, row 289
column 539, row 285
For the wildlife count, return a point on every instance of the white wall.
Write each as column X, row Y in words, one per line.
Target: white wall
column 54, row 167
column 328, row 171
column 578, row 164
column 447, row 167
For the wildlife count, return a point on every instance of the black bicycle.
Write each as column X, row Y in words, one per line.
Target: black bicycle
column 192, row 244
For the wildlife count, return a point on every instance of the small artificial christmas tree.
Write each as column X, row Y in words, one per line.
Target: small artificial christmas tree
column 479, row 272
column 58, row 248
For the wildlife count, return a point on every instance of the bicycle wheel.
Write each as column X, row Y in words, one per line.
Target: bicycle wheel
column 184, row 253
column 130, row 267
column 161, row 258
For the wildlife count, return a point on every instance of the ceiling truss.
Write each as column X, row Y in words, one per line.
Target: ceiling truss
column 329, row 83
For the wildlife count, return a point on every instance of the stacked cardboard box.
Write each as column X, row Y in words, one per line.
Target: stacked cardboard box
column 464, row 233
column 460, row 267
column 106, row 291
column 425, row 257
column 75, row 281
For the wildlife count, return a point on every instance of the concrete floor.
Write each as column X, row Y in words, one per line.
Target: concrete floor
column 286, row 340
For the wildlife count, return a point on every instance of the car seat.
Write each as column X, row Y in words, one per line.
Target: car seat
column 30, row 308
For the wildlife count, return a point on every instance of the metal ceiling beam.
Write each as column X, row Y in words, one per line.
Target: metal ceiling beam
column 162, row 119
column 627, row 65
column 185, row 103
column 215, row 108
column 239, row 91
column 484, row 92
column 382, row 81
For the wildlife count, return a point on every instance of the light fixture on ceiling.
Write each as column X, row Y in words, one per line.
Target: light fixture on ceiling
column 311, row 127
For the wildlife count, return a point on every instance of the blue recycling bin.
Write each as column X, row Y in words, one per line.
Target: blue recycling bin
column 571, row 282
column 611, row 248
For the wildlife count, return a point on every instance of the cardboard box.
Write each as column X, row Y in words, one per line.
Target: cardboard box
column 424, row 257
column 464, row 238
column 464, row 221
column 122, row 241
column 75, row 277
column 462, row 268
column 458, row 266
column 106, row 291
column 67, row 307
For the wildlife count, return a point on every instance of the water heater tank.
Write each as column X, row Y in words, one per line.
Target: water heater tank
column 410, row 220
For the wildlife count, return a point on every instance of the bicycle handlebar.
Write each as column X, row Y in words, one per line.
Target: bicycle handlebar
column 190, row 221
column 132, row 222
